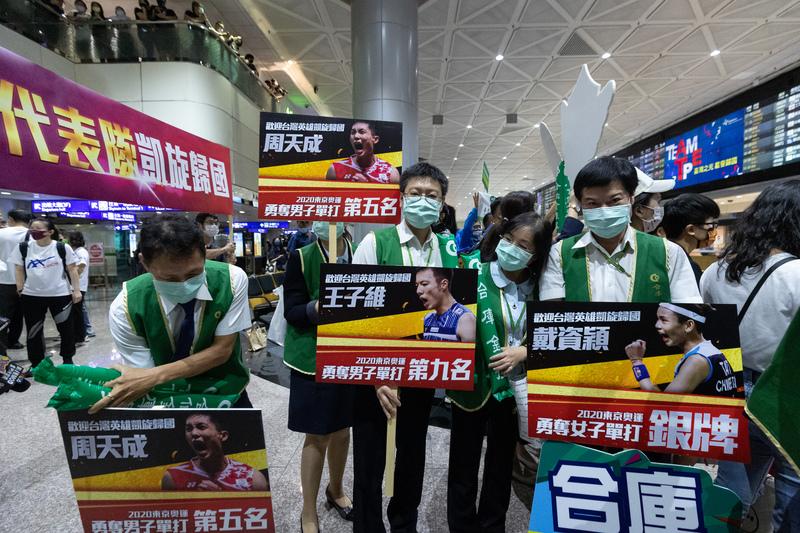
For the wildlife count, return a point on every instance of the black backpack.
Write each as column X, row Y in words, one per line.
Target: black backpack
column 62, row 252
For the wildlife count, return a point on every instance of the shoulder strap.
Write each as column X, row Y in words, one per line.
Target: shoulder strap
column 767, row 274
column 62, row 252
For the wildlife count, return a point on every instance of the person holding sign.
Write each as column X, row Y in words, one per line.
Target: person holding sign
column 612, row 262
column 505, row 285
column 703, row 369
column 363, row 165
column 323, row 411
column 410, row 243
column 154, row 319
column 448, row 320
column 210, row 470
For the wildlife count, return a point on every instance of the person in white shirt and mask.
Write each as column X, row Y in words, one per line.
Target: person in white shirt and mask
column 209, row 225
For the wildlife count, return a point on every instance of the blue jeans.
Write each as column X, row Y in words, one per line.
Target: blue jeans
column 86, row 316
column 746, row 480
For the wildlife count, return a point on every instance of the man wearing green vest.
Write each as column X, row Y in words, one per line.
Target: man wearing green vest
column 180, row 320
column 612, row 262
column 410, row 243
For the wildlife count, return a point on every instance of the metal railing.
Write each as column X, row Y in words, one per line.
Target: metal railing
column 132, row 42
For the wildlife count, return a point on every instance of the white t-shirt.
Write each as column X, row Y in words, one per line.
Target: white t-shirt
column 9, row 239
column 82, row 258
column 45, row 272
column 771, row 311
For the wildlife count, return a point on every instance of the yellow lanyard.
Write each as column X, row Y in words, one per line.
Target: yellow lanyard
column 411, row 261
column 514, row 325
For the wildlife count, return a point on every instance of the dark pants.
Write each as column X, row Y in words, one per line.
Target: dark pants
column 78, row 323
column 10, row 308
column 35, row 309
column 369, row 460
column 498, row 421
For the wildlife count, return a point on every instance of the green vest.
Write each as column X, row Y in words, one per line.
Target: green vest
column 148, row 320
column 649, row 280
column 389, row 251
column 300, row 346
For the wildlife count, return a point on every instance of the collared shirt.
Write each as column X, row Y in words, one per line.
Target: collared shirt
column 414, row 252
column 133, row 348
column 608, row 283
column 513, row 302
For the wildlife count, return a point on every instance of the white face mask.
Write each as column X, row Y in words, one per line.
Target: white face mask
column 211, row 230
column 120, row 12
column 658, row 215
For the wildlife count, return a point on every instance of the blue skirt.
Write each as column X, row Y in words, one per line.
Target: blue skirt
column 319, row 408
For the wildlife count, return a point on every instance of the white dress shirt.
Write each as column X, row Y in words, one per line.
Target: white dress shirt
column 414, row 253
column 133, row 348
column 608, row 283
column 513, row 301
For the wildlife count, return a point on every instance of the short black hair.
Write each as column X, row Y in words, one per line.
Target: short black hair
column 495, row 205
column 439, row 274
column 170, row 234
column 512, row 205
column 48, row 222
column 20, row 215
column 604, row 171
column 212, row 418
column 542, row 240
column 201, row 217
column 76, row 239
column 423, row 170
column 371, row 124
column 685, row 209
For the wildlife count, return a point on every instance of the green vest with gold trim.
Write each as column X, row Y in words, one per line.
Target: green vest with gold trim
column 389, row 251
column 300, row 350
column 148, row 320
column 649, row 279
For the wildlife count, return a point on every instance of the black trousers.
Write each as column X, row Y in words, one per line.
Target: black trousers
column 78, row 323
column 498, row 421
column 369, row 459
column 35, row 309
column 10, row 308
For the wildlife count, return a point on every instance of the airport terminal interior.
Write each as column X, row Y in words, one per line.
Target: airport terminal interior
column 474, row 83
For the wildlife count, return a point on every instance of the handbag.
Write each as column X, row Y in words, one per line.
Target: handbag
column 257, row 336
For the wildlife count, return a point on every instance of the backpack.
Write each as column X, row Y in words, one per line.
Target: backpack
column 62, row 253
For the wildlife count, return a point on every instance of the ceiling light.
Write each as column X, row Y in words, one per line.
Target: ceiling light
column 736, row 197
column 518, row 144
column 460, row 145
column 242, row 212
column 606, row 124
column 6, row 193
column 525, row 176
column 455, row 159
column 715, row 53
column 469, row 126
column 290, row 62
column 535, row 125
column 504, row 157
column 606, row 55
column 499, row 57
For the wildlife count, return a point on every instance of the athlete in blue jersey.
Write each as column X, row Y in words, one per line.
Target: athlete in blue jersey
column 449, row 320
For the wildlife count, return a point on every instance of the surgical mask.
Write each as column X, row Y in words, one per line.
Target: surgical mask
column 212, row 230
column 421, row 212
column 201, row 10
column 302, row 230
column 321, row 229
column 37, row 234
column 607, row 222
column 96, row 9
column 120, row 12
column 658, row 215
column 511, row 257
column 180, row 291
column 277, row 243
column 80, row 9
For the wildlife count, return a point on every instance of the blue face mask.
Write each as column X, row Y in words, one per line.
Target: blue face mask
column 511, row 257
column 607, row 222
column 302, row 230
column 180, row 291
column 321, row 229
column 421, row 212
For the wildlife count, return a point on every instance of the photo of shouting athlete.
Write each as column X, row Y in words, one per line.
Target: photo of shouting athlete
column 448, row 319
column 363, row 166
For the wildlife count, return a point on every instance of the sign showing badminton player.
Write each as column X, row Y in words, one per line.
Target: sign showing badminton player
column 170, row 470
column 397, row 326
column 661, row 377
column 331, row 169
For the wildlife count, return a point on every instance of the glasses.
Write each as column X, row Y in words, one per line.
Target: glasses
column 714, row 225
column 521, row 246
column 431, row 196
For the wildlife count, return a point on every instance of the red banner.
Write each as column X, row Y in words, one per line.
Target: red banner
column 397, row 363
column 60, row 138
column 698, row 426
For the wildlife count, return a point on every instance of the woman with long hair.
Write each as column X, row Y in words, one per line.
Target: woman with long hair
column 764, row 245
column 513, row 204
column 510, row 276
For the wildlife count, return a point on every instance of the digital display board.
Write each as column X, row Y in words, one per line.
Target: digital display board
column 238, row 242
column 99, row 215
column 50, row 206
column 254, row 227
column 759, row 136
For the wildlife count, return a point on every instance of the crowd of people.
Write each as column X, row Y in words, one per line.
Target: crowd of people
column 615, row 228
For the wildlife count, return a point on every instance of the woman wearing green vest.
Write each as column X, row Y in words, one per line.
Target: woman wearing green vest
column 505, row 284
column 323, row 411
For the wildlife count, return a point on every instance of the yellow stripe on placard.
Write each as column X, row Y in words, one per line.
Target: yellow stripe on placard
column 317, row 184
column 389, row 343
column 619, row 374
column 316, row 170
column 620, row 394
column 150, row 478
column 91, row 495
column 391, row 326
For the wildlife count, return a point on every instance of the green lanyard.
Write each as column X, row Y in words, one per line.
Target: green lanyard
column 615, row 262
column 411, row 261
column 514, row 325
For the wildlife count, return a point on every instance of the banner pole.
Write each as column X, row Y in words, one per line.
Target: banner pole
column 333, row 246
column 391, row 438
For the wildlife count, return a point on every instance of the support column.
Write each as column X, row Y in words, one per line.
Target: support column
column 385, row 59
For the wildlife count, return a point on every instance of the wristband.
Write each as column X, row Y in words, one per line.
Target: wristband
column 640, row 372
